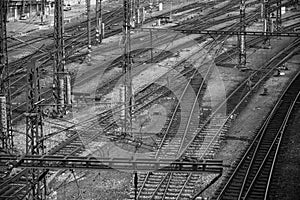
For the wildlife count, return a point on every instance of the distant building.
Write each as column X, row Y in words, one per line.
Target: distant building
column 17, row 8
column 29, row 8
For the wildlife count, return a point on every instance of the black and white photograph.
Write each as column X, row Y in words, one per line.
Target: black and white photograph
column 149, row 99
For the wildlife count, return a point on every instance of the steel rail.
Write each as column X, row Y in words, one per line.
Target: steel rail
column 182, row 63
column 182, row 142
column 159, row 148
column 169, row 175
column 262, row 129
column 143, row 105
column 219, row 130
column 62, row 145
column 183, row 186
column 167, row 185
column 148, row 174
column 214, row 32
column 278, row 135
column 258, row 136
column 249, row 43
column 290, row 47
column 115, row 111
column 177, row 105
column 277, row 151
column 69, row 44
column 267, row 154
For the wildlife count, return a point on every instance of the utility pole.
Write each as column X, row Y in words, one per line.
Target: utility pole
column 278, row 16
column 266, row 19
column 30, row 8
column 43, row 5
column 131, row 12
column 151, row 46
column 59, row 57
column 135, row 182
column 134, row 12
column 34, row 127
column 138, row 13
column 23, row 8
column 99, row 23
column 89, row 47
column 6, row 133
column 127, row 67
column 242, row 37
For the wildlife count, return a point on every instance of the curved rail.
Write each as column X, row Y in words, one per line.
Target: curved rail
column 254, row 170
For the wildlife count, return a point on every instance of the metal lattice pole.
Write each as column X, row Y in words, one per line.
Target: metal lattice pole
column 6, row 133
column 34, row 128
column 278, row 16
column 133, row 13
column 99, row 32
column 30, row 8
column 127, row 66
column 89, row 47
column 43, row 5
column 242, row 38
column 59, row 58
column 23, row 7
column 137, row 12
column 34, row 125
column 266, row 19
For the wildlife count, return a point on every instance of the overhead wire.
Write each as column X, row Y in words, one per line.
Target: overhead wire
column 92, row 118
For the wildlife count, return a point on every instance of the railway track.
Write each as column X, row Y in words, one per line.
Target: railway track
column 117, row 62
column 251, row 177
column 161, row 185
column 190, row 177
column 282, row 177
column 46, row 61
column 70, row 29
column 79, row 45
column 18, row 109
column 110, row 20
column 205, row 142
column 251, row 42
column 73, row 146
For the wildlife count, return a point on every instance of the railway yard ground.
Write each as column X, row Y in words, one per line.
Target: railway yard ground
column 289, row 159
column 162, row 63
column 239, row 136
column 252, row 117
column 77, row 13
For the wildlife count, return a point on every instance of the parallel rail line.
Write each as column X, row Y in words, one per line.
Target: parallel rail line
column 251, row 178
column 211, row 133
column 73, row 147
